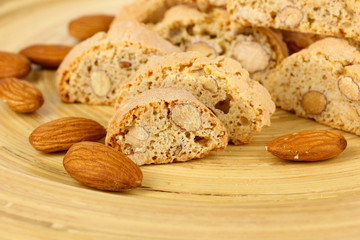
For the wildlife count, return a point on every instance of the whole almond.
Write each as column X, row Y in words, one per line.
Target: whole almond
column 311, row 145
column 13, row 65
column 61, row 134
column 86, row 26
column 46, row 55
column 20, row 95
column 101, row 167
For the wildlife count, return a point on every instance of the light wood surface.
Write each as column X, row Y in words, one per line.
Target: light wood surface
column 242, row 192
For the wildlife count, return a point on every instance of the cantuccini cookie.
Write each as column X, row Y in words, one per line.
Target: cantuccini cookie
column 210, row 31
column 163, row 126
column 243, row 105
column 322, row 83
column 338, row 17
column 93, row 70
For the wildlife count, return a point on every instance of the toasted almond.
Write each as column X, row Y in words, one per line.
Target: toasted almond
column 101, row 167
column 13, row 65
column 46, row 55
column 312, row 145
column 86, row 26
column 20, row 95
column 61, row 134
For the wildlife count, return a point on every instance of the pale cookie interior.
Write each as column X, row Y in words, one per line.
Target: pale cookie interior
column 96, row 79
column 336, row 17
column 321, row 83
column 168, row 131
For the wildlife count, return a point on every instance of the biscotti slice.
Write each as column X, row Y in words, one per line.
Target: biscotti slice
column 336, row 17
column 322, row 83
column 163, row 126
column 211, row 32
column 243, row 105
column 92, row 72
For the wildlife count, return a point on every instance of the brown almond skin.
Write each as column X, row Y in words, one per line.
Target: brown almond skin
column 14, row 65
column 61, row 134
column 101, row 167
column 86, row 26
column 311, row 145
column 20, row 95
column 46, row 55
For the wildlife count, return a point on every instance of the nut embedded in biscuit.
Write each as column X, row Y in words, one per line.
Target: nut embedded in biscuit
column 349, row 88
column 202, row 47
column 252, row 56
column 314, row 102
column 137, row 138
column 211, row 84
column 100, row 83
column 178, row 150
column 291, row 16
column 186, row 117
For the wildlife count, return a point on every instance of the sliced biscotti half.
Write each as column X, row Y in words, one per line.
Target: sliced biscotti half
column 92, row 72
column 336, row 17
column 209, row 30
column 163, row 126
column 322, row 83
column 243, row 105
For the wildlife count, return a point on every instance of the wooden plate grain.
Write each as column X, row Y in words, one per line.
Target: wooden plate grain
column 239, row 193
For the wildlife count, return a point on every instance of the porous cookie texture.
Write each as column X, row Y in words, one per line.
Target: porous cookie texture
column 336, row 17
column 211, row 32
column 92, row 72
column 322, row 83
column 243, row 105
column 163, row 126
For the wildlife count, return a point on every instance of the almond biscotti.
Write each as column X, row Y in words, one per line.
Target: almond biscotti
column 210, row 31
column 242, row 104
column 92, row 72
column 322, row 83
column 297, row 41
column 337, row 17
column 163, row 126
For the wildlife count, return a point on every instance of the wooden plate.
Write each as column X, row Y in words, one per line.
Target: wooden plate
column 240, row 193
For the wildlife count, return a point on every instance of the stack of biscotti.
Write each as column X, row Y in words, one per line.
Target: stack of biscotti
column 206, row 27
column 173, row 105
column 322, row 81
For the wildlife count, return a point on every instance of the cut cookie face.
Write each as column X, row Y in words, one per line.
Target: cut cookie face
column 337, row 17
column 163, row 126
column 210, row 31
column 92, row 72
column 321, row 82
column 242, row 104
